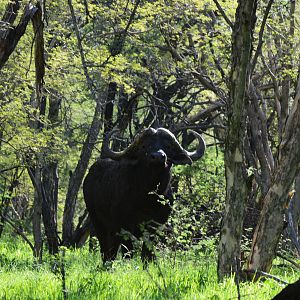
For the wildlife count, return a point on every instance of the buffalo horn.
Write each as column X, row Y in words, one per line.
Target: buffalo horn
column 107, row 152
column 126, row 153
column 198, row 153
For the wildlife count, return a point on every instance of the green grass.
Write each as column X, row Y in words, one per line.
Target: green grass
column 182, row 275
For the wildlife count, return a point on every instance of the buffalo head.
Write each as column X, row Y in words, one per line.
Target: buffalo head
column 156, row 146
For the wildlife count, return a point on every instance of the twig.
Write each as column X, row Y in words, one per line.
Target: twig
column 208, row 84
column 258, row 274
column 10, row 168
column 288, row 260
column 156, row 283
column 188, row 122
column 162, row 275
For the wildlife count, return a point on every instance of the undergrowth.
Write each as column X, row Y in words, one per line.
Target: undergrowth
column 78, row 274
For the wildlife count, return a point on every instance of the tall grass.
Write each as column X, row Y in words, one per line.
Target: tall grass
column 181, row 275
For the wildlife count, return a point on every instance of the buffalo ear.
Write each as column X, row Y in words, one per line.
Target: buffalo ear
column 181, row 159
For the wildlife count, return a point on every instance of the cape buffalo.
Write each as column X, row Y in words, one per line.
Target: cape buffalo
column 123, row 192
column 290, row 292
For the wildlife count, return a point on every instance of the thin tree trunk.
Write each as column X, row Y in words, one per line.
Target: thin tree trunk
column 292, row 216
column 285, row 89
column 78, row 174
column 48, row 183
column 296, row 210
column 76, row 177
column 37, row 212
column 109, row 106
column 50, row 187
column 236, row 186
column 49, row 205
column 37, row 103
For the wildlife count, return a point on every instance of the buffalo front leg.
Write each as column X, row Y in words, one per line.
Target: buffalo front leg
column 148, row 236
column 109, row 245
column 147, row 254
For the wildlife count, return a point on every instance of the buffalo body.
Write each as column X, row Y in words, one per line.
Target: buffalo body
column 125, row 193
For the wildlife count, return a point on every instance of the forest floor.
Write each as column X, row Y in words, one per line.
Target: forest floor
column 78, row 275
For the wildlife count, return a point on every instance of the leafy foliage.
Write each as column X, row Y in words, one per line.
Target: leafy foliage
column 199, row 201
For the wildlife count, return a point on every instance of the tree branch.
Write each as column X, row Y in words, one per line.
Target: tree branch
column 208, row 84
column 19, row 232
column 261, row 32
column 221, row 10
column 81, row 52
column 10, row 37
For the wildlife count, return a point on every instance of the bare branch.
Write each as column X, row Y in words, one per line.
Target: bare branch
column 296, row 265
column 207, row 83
column 82, row 56
column 131, row 18
column 221, row 10
column 256, row 274
column 19, row 232
column 9, row 169
column 200, row 115
column 274, row 79
column 261, row 32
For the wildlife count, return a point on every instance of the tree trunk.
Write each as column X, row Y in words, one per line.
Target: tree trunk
column 78, row 174
column 48, row 182
column 34, row 168
column 292, row 216
column 49, row 205
column 270, row 225
column 76, row 177
column 50, row 187
column 285, row 89
column 296, row 210
column 236, row 187
column 77, row 237
column 37, row 212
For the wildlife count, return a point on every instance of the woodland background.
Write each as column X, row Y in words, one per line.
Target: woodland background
column 71, row 71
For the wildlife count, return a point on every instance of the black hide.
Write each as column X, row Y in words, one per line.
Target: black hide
column 125, row 193
column 290, row 292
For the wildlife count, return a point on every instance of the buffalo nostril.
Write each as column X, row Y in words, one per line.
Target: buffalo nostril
column 158, row 156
